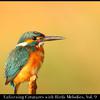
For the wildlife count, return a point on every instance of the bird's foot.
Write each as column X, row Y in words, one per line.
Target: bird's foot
column 33, row 77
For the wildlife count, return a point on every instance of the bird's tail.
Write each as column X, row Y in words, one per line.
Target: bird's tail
column 6, row 82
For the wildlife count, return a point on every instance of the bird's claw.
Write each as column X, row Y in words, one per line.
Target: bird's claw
column 34, row 77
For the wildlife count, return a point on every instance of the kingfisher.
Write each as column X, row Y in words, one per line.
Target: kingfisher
column 24, row 61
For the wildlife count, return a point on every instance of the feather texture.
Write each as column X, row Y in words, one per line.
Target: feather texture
column 16, row 59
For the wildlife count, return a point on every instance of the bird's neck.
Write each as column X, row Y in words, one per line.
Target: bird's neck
column 39, row 49
column 35, row 48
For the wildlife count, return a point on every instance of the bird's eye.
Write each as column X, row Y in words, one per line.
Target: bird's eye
column 34, row 38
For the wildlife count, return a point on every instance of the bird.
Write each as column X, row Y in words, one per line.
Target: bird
column 25, row 60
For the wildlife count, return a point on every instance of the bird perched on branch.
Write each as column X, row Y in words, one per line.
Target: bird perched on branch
column 25, row 60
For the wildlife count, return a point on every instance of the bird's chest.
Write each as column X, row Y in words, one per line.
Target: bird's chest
column 35, row 60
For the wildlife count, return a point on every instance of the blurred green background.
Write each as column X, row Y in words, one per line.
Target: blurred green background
column 70, row 66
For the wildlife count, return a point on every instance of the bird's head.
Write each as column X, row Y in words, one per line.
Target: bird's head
column 35, row 39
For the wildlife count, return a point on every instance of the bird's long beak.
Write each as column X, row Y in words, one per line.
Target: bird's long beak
column 52, row 38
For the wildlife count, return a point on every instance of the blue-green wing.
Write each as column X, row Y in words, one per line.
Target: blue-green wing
column 16, row 60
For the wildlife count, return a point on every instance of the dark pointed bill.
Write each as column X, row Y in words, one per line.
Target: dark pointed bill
column 52, row 38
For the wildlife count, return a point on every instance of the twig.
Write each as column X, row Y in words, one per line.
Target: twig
column 32, row 85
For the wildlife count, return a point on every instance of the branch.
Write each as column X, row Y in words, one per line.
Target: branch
column 32, row 85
